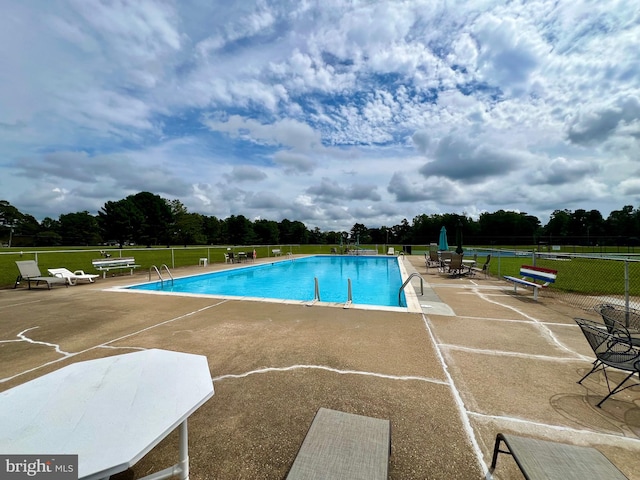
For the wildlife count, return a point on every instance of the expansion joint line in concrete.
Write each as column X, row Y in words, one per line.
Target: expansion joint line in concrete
column 23, row 338
column 556, row 428
column 464, row 417
column 67, row 355
column 541, row 326
column 328, row 369
column 503, row 353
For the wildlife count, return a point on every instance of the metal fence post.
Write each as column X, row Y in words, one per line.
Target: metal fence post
column 626, row 292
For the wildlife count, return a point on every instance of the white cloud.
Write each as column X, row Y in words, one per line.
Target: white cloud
column 245, row 173
column 326, row 113
column 285, row 132
column 594, row 124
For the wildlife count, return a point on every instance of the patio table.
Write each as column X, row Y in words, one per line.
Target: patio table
column 110, row 411
column 469, row 262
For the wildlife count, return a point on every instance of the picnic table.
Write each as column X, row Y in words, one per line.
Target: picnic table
column 110, row 412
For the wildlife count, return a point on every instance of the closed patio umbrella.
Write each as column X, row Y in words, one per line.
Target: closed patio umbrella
column 443, row 244
column 459, row 249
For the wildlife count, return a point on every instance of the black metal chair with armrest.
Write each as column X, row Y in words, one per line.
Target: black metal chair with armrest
column 611, row 350
column 629, row 317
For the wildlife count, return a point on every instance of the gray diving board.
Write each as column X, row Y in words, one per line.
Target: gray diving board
column 545, row 460
column 341, row 446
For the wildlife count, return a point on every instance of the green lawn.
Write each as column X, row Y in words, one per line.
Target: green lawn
column 78, row 258
column 580, row 275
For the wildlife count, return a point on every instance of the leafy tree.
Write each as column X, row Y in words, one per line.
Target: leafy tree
column 156, row 219
column 333, row 237
column 317, row 237
column 426, row 229
column 188, row 228
column 503, row 227
column 401, row 233
column 28, row 226
column 360, row 234
column 9, row 217
column 299, row 233
column 191, row 227
column 240, row 230
column 48, row 239
column 595, row 223
column 79, row 228
column 559, row 224
column 293, row 232
column 50, row 225
column 212, row 229
column 623, row 222
column 378, row 235
column 147, row 218
column 119, row 220
column 9, row 214
column 267, row 232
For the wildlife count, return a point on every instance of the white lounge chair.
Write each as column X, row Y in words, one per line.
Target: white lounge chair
column 30, row 272
column 391, row 251
column 72, row 277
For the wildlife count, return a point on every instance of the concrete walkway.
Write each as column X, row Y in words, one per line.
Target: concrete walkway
column 478, row 360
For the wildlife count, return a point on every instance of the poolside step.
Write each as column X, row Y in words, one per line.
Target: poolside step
column 342, row 445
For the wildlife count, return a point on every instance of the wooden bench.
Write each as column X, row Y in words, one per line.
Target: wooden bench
column 542, row 459
column 344, row 445
column 546, row 275
column 276, row 252
column 105, row 264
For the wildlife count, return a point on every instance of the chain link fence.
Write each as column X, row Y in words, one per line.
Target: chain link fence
column 583, row 281
column 173, row 257
column 586, row 281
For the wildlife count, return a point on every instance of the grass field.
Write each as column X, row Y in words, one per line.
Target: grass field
column 79, row 258
column 589, row 276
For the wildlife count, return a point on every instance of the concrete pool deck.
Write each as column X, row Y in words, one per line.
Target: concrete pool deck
column 477, row 361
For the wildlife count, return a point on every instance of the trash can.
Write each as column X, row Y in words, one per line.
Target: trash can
column 406, row 249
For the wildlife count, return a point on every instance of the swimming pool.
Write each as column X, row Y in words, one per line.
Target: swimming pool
column 374, row 281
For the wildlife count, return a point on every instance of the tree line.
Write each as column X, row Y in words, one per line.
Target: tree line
column 148, row 219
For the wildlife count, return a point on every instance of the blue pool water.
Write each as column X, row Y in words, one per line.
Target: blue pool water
column 374, row 280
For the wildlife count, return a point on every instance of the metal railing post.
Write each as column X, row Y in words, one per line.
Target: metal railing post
column 626, row 292
column 317, row 289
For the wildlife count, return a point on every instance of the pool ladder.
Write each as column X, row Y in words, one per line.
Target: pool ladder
column 316, row 296
column 406, row 282
column 164, row 265
column 316, row 293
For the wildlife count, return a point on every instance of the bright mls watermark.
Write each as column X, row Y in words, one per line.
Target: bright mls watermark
column 39, row 467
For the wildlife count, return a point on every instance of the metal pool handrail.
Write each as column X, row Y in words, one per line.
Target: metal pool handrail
column 415, row 274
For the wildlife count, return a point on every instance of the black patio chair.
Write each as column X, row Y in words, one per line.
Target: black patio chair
column 610, row 351
column 485, row 267
column 628, row 317
column 610, row 316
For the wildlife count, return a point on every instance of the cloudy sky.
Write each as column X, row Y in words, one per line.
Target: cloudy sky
column 328, row 112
